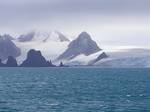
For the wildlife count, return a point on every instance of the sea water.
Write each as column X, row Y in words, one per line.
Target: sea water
column 74, row 90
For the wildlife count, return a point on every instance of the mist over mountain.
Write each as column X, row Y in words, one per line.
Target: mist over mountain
column 26, row 37
column 43, row 36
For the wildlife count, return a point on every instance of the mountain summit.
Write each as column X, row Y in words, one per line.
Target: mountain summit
column 82, row 45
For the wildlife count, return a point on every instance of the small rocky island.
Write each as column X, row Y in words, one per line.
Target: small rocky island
column 35, row 59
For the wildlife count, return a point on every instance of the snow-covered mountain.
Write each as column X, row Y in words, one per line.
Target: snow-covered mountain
column 55, row 44
column 43, row 36
column 49, row 43
column 82, row 50
column 83, row 44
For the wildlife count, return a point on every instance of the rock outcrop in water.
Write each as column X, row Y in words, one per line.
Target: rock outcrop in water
column 35, row 59
column 11, row 62
column 62, row 65
column 82, row 45
column 8, row 48
column 50, row 64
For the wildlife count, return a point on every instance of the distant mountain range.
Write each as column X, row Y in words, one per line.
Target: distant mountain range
column 41, row 49
column 54, row 46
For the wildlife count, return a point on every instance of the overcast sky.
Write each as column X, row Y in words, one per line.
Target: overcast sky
column 110, row 22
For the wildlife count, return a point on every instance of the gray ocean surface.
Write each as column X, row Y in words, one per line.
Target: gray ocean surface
column 74, row 90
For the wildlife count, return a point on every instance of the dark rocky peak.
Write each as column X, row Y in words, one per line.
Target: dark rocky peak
column 84, row 36
column 83, row 44
column 35, row 59
column 11, row 62
column 35, row 54
column 62, row 65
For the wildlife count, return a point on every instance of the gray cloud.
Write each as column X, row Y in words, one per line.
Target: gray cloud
column 31, row 10
column 35, row 7
column 69, row 15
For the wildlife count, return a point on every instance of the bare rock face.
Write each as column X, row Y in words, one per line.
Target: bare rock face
column 8, row 48
column 35, row 59
column 82, row 45
column 11, row 62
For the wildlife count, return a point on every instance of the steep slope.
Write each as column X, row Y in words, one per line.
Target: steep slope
column 61, row 37
column 82, row 45
column 55, row 44
column 8, row 48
